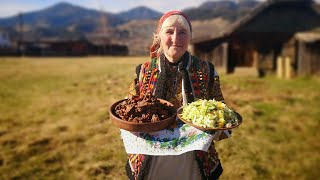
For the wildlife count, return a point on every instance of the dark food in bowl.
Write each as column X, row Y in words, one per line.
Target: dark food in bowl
column 143, row 109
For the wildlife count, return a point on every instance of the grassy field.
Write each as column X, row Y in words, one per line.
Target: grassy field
column 54, row 121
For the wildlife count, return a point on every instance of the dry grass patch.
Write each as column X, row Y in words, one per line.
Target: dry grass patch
column 54, row 121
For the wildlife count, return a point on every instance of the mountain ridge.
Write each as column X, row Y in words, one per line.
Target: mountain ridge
column 60, row 13
column 133, row 27
column 63, row 13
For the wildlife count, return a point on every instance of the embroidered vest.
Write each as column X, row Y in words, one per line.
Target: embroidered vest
column 200, row 81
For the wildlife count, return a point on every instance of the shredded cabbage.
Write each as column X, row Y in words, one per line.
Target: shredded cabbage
column 209, row 114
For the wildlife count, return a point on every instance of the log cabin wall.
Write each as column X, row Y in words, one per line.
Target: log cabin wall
column 257, row 40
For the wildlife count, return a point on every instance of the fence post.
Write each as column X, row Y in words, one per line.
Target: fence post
column 280, row 67
column 287, row 63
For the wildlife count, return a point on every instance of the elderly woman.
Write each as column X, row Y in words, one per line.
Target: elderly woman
column 177, row 76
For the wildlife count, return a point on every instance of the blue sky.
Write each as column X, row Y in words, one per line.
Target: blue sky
column 13, row 7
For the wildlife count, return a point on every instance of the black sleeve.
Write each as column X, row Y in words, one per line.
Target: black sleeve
column 138, row 68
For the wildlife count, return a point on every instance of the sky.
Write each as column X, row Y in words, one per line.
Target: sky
column 13, row 7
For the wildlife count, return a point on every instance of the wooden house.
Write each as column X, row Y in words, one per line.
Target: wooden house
column 4, row 39
column 276, row 28
column 102, row 44
column 82, row 47
column 55, row 47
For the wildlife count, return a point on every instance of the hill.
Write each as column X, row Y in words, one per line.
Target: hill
column 139, row 35
column 75, row 21
column 229, row 10
column 139, row 13
column 133, row 27
column 65, row 14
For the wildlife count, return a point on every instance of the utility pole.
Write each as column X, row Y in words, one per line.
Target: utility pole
column 20, row 39
column 103, row 26
column 103, row 29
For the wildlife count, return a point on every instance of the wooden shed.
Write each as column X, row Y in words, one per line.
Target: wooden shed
column 55, row 47
column 258, row 39
column 308, row 53
column 101, row 44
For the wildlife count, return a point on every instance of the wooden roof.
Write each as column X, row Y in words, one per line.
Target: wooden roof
column 273, row 21
column 308, row 37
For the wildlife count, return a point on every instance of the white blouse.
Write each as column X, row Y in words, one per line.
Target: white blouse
column 181, row 167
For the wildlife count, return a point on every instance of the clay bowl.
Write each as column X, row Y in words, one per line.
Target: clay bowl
column 141, row 127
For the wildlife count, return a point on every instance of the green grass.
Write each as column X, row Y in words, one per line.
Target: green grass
column 54, row 121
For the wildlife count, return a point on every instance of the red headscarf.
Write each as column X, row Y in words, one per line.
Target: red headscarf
column 154, row 48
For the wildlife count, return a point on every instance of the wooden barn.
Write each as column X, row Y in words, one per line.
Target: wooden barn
column 81, row 47
column 101, row 44
column 55, row 47
column 277, row 29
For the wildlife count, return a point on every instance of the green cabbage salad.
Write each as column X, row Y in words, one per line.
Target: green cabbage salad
column 209, row 114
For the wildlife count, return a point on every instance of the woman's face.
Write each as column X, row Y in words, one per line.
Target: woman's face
column 175, row 39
